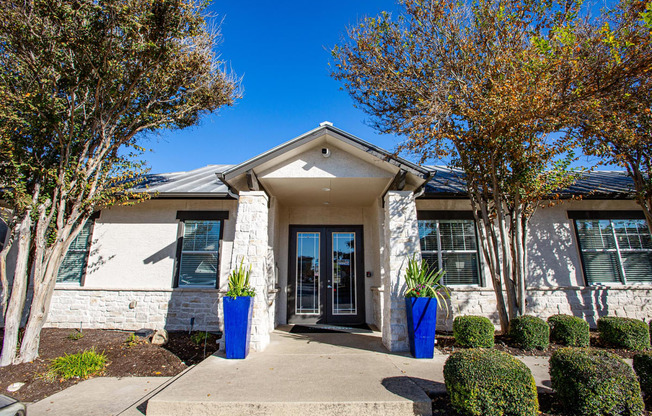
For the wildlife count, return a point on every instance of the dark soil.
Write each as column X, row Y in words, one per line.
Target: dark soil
column 125, row 359
column 446, row 344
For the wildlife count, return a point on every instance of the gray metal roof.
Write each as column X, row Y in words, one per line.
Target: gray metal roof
column 194, row 183
column 449, row 182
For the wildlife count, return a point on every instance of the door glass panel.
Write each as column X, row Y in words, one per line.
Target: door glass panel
column 344, row 276
column 307, row 284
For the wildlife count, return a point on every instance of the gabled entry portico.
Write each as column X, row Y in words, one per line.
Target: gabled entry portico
column 336, row 213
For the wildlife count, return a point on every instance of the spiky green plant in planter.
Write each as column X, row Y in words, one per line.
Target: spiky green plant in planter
column 238, row 309
column 424, row 293
column 239, row 282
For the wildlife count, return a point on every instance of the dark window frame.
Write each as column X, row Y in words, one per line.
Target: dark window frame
column 574, row 216
column 437, row 215
column 183, row 216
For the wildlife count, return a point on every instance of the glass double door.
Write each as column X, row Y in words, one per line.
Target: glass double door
column 326, row 277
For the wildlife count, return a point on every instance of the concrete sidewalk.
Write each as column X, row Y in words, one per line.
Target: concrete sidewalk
column 325, row 374
column 102, row 396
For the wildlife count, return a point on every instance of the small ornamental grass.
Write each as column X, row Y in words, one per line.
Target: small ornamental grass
column 529, row 332
column 643, row 368
column 569, row 330
column 490, row 382
column 473, row 332
column 594, row 382
column 628, row 333
column 81, row 365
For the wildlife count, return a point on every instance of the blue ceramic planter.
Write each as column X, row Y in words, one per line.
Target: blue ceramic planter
column 237, row 325
column 422, row 322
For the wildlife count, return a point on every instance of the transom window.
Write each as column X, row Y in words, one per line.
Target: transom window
column 615, row 250
column 199, row 256
column 73, row 267
column 451, row 245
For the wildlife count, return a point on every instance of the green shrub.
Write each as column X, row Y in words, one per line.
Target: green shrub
column 593, row 382
column 473, row 332
column 624, row 333
column 132, row 340
column 529, row 332
column 569, row 330
column 75, row 335
column 81, row 365
column 643, row 368
column 198, row 338
column 490, row 382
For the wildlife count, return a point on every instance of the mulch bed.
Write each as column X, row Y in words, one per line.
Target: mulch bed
column 124, row 360
column 446, row 344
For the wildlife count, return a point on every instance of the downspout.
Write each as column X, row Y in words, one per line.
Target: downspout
column 229, row 189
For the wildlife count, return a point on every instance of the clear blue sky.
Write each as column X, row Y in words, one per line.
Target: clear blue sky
column 281, row 49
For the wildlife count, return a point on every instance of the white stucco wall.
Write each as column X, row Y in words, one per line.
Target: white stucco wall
column 555, row 280
column 130, row 274
column 136, row 246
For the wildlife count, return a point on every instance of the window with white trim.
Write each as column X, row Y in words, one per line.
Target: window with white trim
column 451, row 245
column 615, row 250
column 73, row 267
column 199, row 254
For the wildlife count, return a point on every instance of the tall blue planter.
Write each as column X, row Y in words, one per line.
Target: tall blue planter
column 422, row 323
column 237, row 325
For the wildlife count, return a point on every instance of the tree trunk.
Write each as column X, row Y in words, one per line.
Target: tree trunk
column 491, row 255
column 4, row 281
column 40, row 306
column 18, row 293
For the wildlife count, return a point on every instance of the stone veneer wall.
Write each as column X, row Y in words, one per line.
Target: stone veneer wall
column 169, row 309
column 401, row 241
column 588, row 303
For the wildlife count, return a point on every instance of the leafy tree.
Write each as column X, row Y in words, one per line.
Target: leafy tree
column 82, row 82
column 618, row 128
column 484, row 84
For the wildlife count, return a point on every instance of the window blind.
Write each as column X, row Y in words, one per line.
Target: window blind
column 451, row 245
column 73, row 267
column 615, row 250
column 199, row 257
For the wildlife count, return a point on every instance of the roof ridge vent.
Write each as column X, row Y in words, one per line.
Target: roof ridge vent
column 325, row 123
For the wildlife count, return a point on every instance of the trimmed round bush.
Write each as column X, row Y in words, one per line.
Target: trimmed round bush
column 569, row 330
column 593, row 382
column 643, row 368
column 529, row 332
column 490, row 382
column 628, row 333
column 473, row 332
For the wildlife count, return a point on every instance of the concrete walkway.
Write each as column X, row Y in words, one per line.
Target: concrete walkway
column 325, row 374
column 102, row 396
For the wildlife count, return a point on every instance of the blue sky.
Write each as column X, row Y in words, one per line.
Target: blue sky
column 281, row 49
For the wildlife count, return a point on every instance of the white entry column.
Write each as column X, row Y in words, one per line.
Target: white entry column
column 251, row 245
column 401, row 243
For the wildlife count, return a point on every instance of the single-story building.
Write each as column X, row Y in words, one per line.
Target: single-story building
column 327, row 221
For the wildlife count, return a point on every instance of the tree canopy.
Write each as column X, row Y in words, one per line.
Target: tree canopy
column 82, row 82
column 487, row 84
